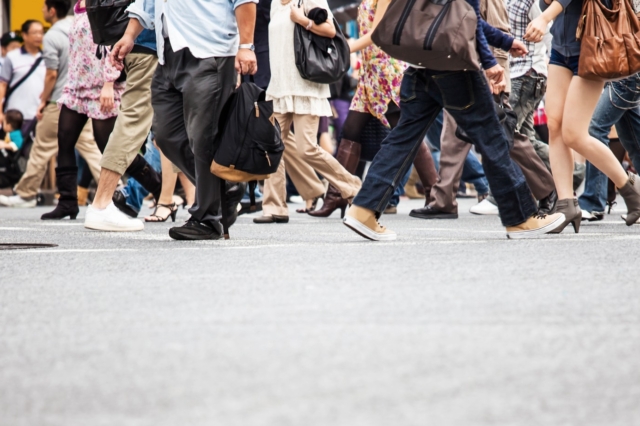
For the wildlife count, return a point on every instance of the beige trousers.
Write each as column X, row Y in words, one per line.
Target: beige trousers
column 45, row 147
column 302, row 159
column 135, row 116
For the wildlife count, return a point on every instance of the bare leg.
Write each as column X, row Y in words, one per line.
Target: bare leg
column 106, row 187
column 168, row 186
column 560, row 156
column 189, row 189
column 581, row 102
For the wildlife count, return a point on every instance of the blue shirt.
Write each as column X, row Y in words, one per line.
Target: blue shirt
column 207, row 28
column 16, row 138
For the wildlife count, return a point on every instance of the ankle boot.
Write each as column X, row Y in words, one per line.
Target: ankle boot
column 631, row 194
column 150, row 180
column 83, row 196
column 67, row 180
column 410, row 189
column 426, row 169
column 572, row 214
column 348, row 156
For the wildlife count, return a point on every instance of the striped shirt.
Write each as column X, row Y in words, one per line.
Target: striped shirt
column 521, row 13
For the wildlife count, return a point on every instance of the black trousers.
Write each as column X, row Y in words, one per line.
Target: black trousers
column 188, row 95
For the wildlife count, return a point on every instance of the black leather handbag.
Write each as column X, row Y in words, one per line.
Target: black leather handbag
column 321, row 59
column 108, row 20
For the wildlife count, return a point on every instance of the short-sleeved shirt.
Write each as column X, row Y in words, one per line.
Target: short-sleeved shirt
column 56, row 53
column 25, row 98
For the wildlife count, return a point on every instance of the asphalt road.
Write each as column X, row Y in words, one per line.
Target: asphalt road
column 307, row 324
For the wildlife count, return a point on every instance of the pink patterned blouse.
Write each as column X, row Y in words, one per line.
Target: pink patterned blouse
column 87, row 74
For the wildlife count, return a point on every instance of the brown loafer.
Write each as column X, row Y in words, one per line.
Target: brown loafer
column 271, row 219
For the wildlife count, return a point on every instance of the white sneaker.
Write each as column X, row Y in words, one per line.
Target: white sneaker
column 111, row 219
column 17, row 201
column 592, row 216
column 484, row 207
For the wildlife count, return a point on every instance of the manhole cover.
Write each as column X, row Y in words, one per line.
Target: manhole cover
column 16, row 246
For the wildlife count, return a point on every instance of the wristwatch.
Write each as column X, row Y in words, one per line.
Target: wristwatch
column 249, row 46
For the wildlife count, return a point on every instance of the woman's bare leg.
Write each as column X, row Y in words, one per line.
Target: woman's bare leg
column 580, row 104
column 168, row 186
column 560, row 156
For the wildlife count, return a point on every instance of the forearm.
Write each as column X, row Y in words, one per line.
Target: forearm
column 49, row 84
column 134, row 28
column 496, row 37
column 246, row 19
column 552, row 11
column 361, row 43
column 3, row 92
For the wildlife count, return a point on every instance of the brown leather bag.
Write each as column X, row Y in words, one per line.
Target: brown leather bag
column 434, row 34
column 610, row 40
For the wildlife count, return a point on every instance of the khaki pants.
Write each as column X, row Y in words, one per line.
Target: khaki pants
column 135, row 116
column 45, row 147
column 302, row 158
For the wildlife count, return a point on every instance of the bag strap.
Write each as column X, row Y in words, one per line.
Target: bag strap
column 13, row 88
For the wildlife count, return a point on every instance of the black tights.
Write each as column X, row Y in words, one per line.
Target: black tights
column 356, row 121
column 69, row 129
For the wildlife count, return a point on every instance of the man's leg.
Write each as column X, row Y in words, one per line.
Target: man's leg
column 467, row 97
column 535, row 172
column 132, row 126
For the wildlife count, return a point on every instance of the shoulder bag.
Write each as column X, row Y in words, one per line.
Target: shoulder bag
column 108, row 20
column 435, row 34
column 321, row 59
column 610, row 40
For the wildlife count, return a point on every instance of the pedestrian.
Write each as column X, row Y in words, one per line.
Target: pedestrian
column 299, row 102
column 570, row 103
column 129, row 134
column 45, row 145
column 22, row 76
column 8, row 42
column 470, row 102
column 196, row 75
column 377, row 97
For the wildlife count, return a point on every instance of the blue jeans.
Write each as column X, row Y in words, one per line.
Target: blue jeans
column 472, row 172
column 466, row 95
column 619, row 105
column 133, row 191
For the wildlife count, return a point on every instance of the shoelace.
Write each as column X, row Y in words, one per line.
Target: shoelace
column 540, row 215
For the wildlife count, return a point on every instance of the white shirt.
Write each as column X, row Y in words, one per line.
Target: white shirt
column 207, row 28
column 26, row 98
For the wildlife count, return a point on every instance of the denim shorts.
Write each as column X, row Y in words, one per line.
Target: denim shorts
column 568, row 62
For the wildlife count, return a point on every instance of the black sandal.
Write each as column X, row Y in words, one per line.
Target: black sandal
column 173, row 211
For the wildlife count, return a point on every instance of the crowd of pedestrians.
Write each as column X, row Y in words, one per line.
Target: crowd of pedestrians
column 148, row 111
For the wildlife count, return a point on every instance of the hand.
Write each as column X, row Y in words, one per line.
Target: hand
column 518, row 49
column 107, row 98
column 499, row 87
column 4, row 145
column 536, row 29
column 41, row 107
column 495, row 74
column 120, row 50
column 297, row 15
column 246, row 62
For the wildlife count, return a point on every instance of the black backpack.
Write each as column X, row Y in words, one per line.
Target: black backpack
column 249, row 145
column 108, row 20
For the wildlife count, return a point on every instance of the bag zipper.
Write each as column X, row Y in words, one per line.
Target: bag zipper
column 431, row 33
column 397, row 34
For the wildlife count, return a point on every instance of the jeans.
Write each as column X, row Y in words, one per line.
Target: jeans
column 524, row 99
column 619, row 105
column 133, row 191
column 466, row 95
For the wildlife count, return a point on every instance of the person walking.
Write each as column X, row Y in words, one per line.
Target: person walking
column 45, row 146
column 570, row 103
column 301, row 103
column 22, row 76
column 196, row 75
column 129, row 134
column 92, row 91
column 470, row 103
column 377, row 97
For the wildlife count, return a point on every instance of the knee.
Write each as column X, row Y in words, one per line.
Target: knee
column 554, row 125
column 572, row 136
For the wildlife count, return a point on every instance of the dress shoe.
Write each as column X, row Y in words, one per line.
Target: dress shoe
column 271, row 219
column 391, row 210
column 428, row 212
column 194, row 230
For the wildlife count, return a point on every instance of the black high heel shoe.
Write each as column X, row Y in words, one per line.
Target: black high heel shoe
column 154, row 217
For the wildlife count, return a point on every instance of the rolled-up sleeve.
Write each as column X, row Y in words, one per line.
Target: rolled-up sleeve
column 144, row 12
column 565, row 3
column 237, row 3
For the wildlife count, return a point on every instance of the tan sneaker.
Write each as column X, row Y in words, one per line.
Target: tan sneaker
column 364, row 222
column 537, row 224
